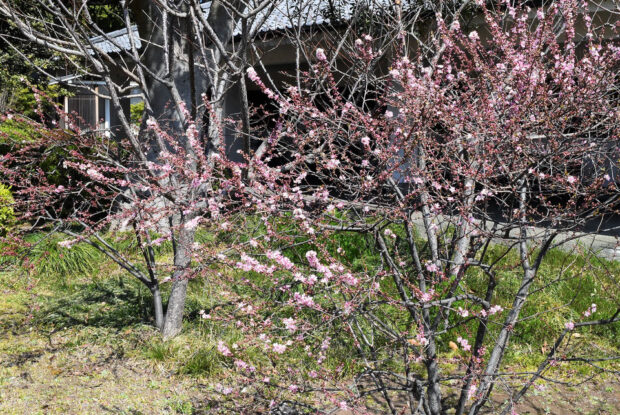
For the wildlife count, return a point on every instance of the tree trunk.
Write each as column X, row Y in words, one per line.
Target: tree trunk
column 169, row 81
column 176, row 303
column 158, row 308
column 503, row 338
column 433, row 390
column 174, row 313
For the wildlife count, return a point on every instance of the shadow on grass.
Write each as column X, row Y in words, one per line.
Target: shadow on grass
column 108, row 303
column 21, row 358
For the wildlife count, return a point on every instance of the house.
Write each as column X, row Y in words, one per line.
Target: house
column 278, row 55
column 93, row 109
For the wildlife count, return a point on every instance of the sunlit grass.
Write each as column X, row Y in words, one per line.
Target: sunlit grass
column 83, row 298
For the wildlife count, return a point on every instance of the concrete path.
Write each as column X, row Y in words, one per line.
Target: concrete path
column 605, row 245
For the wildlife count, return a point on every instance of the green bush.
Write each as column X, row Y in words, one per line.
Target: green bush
column 25, row 103
column 16, row 132
column 7, row 215
column 137, row 111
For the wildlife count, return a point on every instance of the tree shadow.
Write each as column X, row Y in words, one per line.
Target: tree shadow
column 21, row 358
column 120, row 411
column 108, row 303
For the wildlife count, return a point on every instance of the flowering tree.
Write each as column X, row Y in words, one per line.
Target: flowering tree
column 477, row 154
column 178, row 55
column 90, row 190
column 456, row 168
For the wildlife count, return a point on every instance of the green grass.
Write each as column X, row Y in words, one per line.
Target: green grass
column 564, row 288
column 580, row 282
column 82, row 297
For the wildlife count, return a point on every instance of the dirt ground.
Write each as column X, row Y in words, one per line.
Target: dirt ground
column 62, row 379
column 595, row 397
column 40, row 375
column 89, row 366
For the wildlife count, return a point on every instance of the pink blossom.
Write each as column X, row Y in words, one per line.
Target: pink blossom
column 421, row 338
column 247, row 263
column 462, row 312
column 571, row 179
column 495, row 309
column 320, row 55
column 365, row 140
column 279, row 348
column 193, row 223
column 303, row 300
column 94, row 174
column 312, row 259
column 241, row 365
column 253, row 75
column 464, row 343
column 290, row 324
column 158, row 241
column 347, row 308
column 484, row 193
column 333, row 163
column 348, row 278
column 591, row 310
column 570, row 325
column 67, row 244
column 280, row 259
column 471, row 392
column 427, row 296
column 223, row 349
column 388, row 232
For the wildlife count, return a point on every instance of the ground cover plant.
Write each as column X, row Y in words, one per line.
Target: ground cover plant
column 392, row 244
